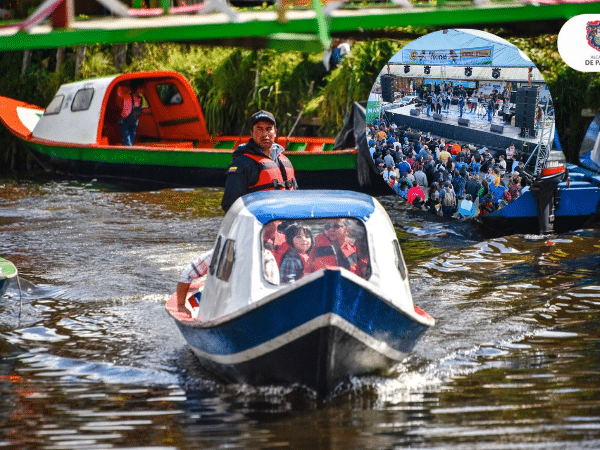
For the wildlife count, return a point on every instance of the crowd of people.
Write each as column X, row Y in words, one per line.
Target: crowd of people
column 447, row 178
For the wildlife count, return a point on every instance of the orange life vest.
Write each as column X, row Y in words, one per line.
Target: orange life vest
column 272, row 175
column 325, row 255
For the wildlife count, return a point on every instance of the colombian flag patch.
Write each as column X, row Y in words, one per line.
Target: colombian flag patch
column 232, row 169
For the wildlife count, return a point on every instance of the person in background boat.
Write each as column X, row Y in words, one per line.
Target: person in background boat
column 295, row 260
column 334, row 249
column 260, row 164
column 273, row 247
column 131, row 102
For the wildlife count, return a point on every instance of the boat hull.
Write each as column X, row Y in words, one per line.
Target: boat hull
column 578, row 203
column 188, row 167
column 316, row 334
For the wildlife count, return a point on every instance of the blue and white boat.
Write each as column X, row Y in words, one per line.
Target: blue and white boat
column 320, row 329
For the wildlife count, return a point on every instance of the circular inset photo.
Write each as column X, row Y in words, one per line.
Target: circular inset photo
column 460, row 123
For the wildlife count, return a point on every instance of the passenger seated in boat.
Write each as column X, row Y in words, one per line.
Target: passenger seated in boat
column 333, row 248
column 295, row 260
column 274, row 239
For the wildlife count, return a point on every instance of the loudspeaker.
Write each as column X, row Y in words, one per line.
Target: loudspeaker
column 497, row 128
column 464, row 122
column 437, row 116
column 524, row 120
column 527, row 132
column 415, row 112
column 387, row 88
column 513, row 97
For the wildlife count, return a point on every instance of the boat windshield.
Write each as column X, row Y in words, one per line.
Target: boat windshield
column 294, row 248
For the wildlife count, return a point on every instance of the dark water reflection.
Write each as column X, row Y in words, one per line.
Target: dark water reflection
column 89, row 358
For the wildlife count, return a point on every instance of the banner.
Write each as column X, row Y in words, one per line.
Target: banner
column 467, row 84
column 481, row 56
column 373, row 108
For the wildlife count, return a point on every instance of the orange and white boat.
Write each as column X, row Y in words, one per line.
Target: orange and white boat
column 78, row 133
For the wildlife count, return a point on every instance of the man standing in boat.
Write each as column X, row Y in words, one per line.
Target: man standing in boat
column 130, row 114
column 260, row 164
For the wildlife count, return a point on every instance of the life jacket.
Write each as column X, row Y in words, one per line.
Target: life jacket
column 136, row 104
column 486, row 208
column 272, row 175
column 278, row 246
column 324, row 255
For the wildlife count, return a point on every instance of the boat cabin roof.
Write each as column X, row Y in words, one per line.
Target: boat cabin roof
column 272, row 205
column 87, row 112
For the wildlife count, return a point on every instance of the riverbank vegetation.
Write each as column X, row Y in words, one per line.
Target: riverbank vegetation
column 232, row 83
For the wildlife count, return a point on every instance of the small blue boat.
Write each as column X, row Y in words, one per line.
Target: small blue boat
column 562, row 197
column 329, row 323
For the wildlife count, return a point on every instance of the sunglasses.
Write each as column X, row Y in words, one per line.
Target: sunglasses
column 335, row 225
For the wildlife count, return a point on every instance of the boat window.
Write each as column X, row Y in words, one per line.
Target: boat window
column 169, row 94
column 304, row 246
column 215, row 258
column 55, row 105
column 400, row 264
column 226, row 260
column 82, row 100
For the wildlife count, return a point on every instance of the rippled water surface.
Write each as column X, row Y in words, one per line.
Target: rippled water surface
column 90, row 359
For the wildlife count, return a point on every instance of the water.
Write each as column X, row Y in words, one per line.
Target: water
column 89, row 358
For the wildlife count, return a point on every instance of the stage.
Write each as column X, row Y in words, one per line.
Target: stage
column 478, row 131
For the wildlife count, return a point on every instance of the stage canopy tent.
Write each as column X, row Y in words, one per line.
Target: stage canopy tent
column 449, row 52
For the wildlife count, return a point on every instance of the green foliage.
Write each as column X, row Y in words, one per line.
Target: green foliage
column 37, row 85
column 233, row 83
column 353, row 80
column 97, row 63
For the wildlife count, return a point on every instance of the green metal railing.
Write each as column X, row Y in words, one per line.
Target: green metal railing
column 306, row 29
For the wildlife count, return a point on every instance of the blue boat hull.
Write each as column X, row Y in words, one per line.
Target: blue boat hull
column 577, row 205
column 316, row 335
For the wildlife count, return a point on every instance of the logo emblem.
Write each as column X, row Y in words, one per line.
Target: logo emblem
column 593, row 34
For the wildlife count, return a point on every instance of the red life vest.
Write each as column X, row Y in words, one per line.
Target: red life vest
column 131, row 103
column 272, row 175
column 325, row 255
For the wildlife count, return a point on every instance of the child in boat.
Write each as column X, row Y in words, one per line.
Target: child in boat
column 295, row 260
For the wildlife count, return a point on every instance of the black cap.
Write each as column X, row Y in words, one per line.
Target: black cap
column 262, row 115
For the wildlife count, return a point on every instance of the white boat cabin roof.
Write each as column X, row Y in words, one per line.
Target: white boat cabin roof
column 237, row 277
column 87, row 112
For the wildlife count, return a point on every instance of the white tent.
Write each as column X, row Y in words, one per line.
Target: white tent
column 449, row 52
